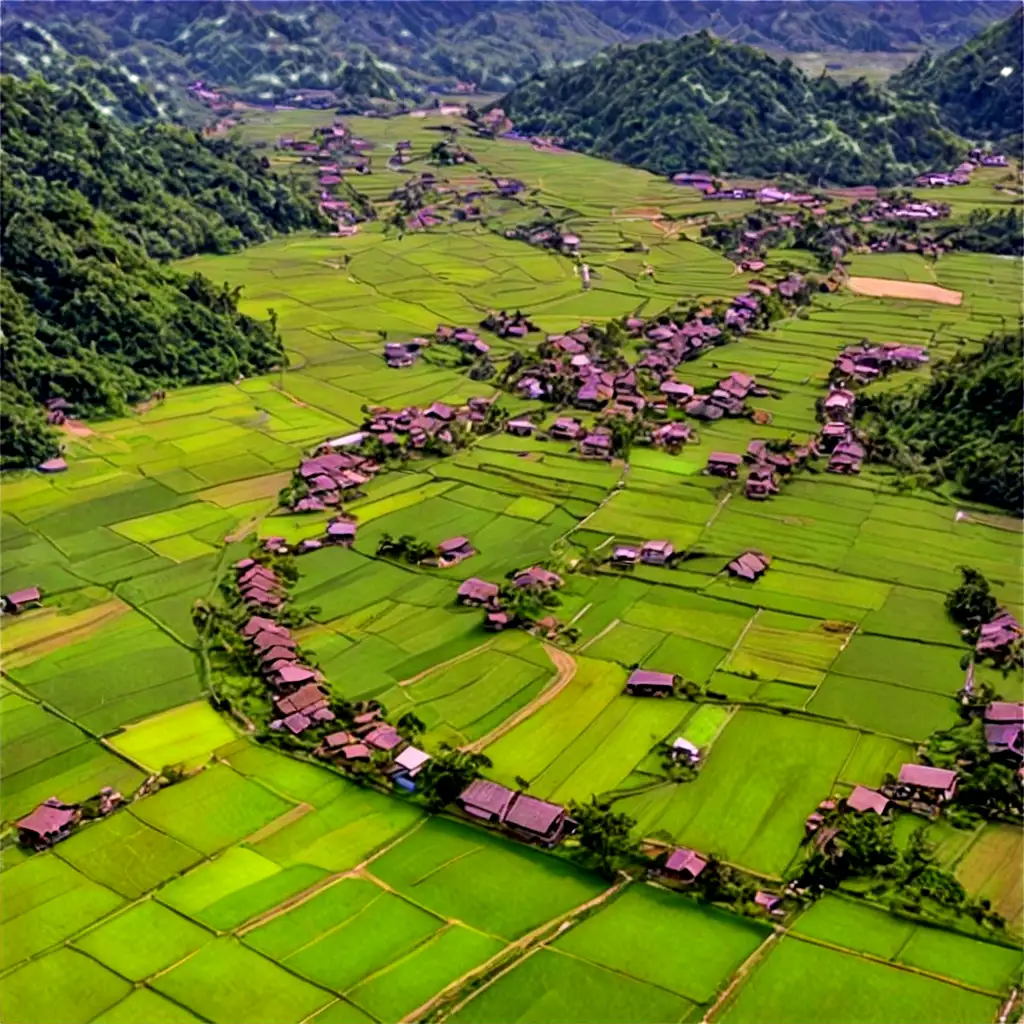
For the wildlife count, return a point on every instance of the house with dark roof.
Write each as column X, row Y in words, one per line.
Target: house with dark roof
column 645, row 683
column 49, row 823
column 18, row 600
column 538, row 576
column 751, row 565
column 486, row 800
column 683, row 865
column 596, row 446
column 565, row 428
column 454, row 550
column 656, row 552
column 536, row 820
column 476, row 592
column 725, row 464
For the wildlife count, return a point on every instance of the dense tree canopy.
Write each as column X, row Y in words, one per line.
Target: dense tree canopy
column 285, row 48
column 87, row 207
column 965, row 425
column 977, row 86
column 701, row 104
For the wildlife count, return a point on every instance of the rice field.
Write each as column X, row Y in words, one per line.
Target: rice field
column 266, row 889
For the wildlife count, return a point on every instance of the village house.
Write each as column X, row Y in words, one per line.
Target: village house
column 833, row 435
column 725, row 464
column 259, row 624
column 924, row 784
column 290, row 674
column 497, row 620
column 751, row 565
column 596, row 446
column 519, row 427
column 683, row 865
column 454, row 550
column 847, row 458
column 18, row 600
column 476, row 592
column 996, row 636
column 411, row 761
column 486, row 800
column 1004, row 729
column 769, row 902
column 530, row 387
column 269, row 639
column 537, row 576
column 57, row 465
column 863, row 800
column 676, row 392
column 671, row 436
column 49, row 823
column 839, row 404
column 645, row 683
column 383, row 737
column 656, row 552
column 761, row 483
column 565, row 428
column 534, row 819
column 341, row 531
column 625, row 557
column 683, row 750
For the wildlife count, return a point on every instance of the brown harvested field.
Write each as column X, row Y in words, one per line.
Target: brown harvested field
column 881, row 288
column 991, row 870
column 48, row 630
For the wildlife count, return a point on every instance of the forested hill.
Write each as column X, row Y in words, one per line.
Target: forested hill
column 88, row 206
column 965, row 425
column 977, row 87
column 698, row 103
column 361, row 49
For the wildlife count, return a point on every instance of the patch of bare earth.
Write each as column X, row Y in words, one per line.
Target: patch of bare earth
column 881, row 288
column 76, row 428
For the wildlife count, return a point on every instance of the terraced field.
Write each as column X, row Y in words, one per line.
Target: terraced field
column 266, row 889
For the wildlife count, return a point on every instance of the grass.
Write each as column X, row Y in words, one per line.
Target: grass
column 551, row 986
column 169, row 938
column 460, row 872
column 639, row 935
column 225, row 983
column 182, row 736
column 799, row 983
column 749, row 802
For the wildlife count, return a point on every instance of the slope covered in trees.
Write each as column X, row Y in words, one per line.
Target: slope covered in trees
column 976, row 87
column 699, row 103
column 270, row 50
column 88, row 207
column 965, row 425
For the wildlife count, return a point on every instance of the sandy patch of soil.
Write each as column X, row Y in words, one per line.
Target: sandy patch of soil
column 76, row 428
column 881, row 288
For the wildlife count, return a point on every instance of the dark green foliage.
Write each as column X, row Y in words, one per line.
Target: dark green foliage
column 605, row 836
column 965, row 425
column 987, row 786
column 447, row 774
column 971, row 603
column 968, row 86
column 699, row 103
column 88, row 206
column 25, row 437
column 272, row 50
column 994, row 231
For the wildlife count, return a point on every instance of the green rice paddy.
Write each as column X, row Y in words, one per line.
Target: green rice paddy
column 267, row 890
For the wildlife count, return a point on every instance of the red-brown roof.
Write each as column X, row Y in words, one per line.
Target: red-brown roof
column 527, row 812
column 49, row 817
column 864, row 799
column 682, row 860
column 927, row 777
column 488, row 797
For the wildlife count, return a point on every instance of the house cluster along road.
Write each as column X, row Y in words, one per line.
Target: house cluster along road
column 588, row 662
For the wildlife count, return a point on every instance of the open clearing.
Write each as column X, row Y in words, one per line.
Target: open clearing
column 880, row 287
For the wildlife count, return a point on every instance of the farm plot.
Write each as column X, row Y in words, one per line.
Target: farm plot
column 989, row 871
column 549, row 986
column 657, row 937
column 800, row 983
column 750, row 799
column 467, row 874
column 185, row 736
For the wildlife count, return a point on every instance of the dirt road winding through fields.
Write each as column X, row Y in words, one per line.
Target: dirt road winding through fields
column 565, row 665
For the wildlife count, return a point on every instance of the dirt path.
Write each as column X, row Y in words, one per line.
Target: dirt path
column 880, row 288
column 447, row 664
column 565, row 665
column 740, row 975
column 538, row 937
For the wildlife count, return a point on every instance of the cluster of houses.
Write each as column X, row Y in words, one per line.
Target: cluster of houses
column 478, row 593
column 961, row 175
column 369, row 735
column 467, row 340
column 905, row 209
column 508, row 325
column 651, row 552
column 1003, row 724
column 412, row 428
column 401, row 354
column 328, row 475
column 546, row 236
column 53, row 820
column 750, row 566
column 258, row 585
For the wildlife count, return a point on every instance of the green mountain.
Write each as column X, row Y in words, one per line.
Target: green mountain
column 977, row 87
column 699, row 103
column 964, row 425
column 88, row 209
column 358, row 50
